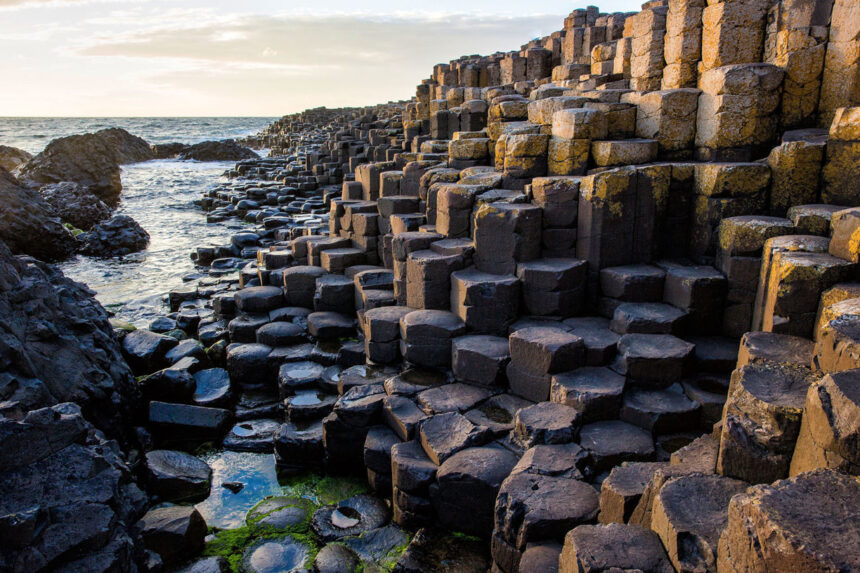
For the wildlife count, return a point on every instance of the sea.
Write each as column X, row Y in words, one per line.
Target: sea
column 158, row 194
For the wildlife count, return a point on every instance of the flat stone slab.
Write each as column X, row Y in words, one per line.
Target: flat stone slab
column 452, row 398
column 561, row 460
column 612, row 442
column 660, row 411
column 776, row 348
column 252, row 436
column 601, row 343
column 402, row 415
column 444, row 435
column 613, row 547
column 497, row 413
column 689, row 515
column 547, row 423
column 816, row 515
column 653, row 359
column 414, row 380
column 177, row 476
column 533, row 507
column 647, row 318
column 594, row 391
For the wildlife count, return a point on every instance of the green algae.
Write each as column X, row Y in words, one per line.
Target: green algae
column 318, row 490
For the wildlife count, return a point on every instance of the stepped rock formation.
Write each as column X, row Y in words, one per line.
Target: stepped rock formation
column 595, row 301
column 635, row 245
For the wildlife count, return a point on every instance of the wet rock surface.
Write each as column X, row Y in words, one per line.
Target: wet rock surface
column 510, row 308
column 29, row 224
column 118, row 236
column 223, row 150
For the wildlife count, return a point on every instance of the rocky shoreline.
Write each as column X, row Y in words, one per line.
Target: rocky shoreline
column 586, row 306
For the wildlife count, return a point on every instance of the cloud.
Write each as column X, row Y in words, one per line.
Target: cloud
column 20, row 4
column 199, row 61
column 306, row 41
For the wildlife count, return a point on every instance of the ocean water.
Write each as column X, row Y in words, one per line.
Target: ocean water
column 34, row 133
column 157, row 194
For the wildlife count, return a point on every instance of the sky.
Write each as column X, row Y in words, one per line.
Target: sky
column 246, row 57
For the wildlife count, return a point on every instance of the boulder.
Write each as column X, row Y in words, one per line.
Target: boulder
column 118, row 236
column 177, row 476
column 29, row 225
column 224, row 150
column 66, row 495
column 12, row 158
column 174, row 533
column 60, row 346
column 92, row 159
column 147, row 351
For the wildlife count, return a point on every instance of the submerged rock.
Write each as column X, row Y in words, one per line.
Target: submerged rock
column 352, row 516
column 285, row 555
column 120, row 235
column 280, row 512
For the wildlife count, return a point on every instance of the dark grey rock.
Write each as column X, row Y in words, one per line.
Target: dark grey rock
column 118, row 236
column 177, row 476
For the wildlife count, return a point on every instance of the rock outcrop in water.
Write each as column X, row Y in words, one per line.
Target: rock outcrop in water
column 118, row 236
column 75, row 204
column 12, row 158
column 92, row 159
column 222, row 150
column 29, row 224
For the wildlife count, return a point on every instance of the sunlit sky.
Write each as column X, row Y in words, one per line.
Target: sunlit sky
column 245, row 57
